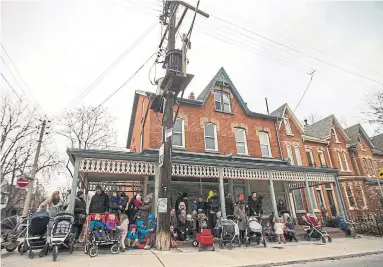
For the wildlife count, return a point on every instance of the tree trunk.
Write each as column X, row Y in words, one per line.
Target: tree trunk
column 163, row 240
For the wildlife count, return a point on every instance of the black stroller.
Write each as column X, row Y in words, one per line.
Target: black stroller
column 12, row 228
column 36, row 234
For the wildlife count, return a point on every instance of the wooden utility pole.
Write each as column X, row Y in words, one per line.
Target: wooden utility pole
column 28, row 198
column 175, row 81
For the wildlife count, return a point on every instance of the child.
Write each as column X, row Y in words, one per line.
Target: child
column 143, row 239
column 182, row 225
column 97, row 228
column 194, row 206
column 188, row 227
column 218, row 223
column 195, row 220
column 152, row 222
column 202, row 220
column 123, row 228
column 132, row 236
column 173, row 237
column 279, row 226
column 111, row 226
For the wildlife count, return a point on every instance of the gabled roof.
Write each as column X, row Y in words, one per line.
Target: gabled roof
column 281, row 111
column 354, row 131
column 322, row 129
column 377, row 140
column 220, row 78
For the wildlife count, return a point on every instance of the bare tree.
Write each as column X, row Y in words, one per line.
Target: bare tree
column 18, row 146
column 375, row 112
column 88, row 128
column 313, row 118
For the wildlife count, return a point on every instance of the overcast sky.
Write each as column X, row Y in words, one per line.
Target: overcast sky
column 61, row 47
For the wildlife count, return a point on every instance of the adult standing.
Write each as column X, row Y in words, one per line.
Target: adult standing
column 281, row 207
column 79, row 214
column 240, row 215
column 99, row 202
column 229, row 205
column 253, row 204
column 182, row 198
column 213, row 205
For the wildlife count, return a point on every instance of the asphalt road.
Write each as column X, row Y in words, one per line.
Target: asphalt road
column 367, row 261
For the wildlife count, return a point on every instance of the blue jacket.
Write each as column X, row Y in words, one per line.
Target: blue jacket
column 141, row 231
column 96, row 224
column 132, row 236
column 152, row 221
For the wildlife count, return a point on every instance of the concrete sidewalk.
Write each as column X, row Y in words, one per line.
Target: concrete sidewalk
column 189, row 257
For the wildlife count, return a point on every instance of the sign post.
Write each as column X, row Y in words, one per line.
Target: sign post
column 22, row 182
column 380, row 176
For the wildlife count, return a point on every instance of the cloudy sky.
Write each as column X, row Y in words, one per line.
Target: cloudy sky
column 267, row 47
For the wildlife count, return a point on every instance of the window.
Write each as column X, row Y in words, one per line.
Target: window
column 310, row 158
column 240, row 139
column 290, row 154
column 211, row 137
column 322, row 159
column 350, row 196
column 365, row 166
column 340, row 164
column 333, row 133
column 360, row 142
column 298, row 156
column 371, row 168
column 178, row 138
column 222, row 101
column 320, row 196
column 298, row 200
column 345, row 161
column 287, row 126
column 314, row 198
column 265, row 144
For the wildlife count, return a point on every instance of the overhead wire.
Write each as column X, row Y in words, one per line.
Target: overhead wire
column 5, row 79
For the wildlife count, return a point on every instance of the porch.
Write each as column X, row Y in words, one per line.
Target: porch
column 198, row 173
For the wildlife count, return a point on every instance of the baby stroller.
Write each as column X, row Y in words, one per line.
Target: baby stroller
column 229, row 233
column 62, row 233
column 314, row 229
column 12, row 228
column 254, row 232
column 92, row 242
column 36, row 234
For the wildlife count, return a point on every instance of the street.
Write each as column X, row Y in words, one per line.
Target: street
column 367, row 261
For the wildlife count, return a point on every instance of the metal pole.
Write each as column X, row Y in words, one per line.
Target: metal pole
column 222, row 192
column 28, row 198
column 380, row 187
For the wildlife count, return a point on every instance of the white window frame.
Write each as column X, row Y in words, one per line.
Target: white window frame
column 298, row 155
column 334, row 133
column 360, row 142
column 221, row 101
column 244, row 142
column 346, row 162
column 182, row 134
column 352, row 195
column 295, row 201
column 268, row 144
column 290, row 154
column 366, row 166
column 340, row 163
column 314, row 199
column 371, row 167
column 287, row 126
column 311, row 156
column 363, row 195
column 320, row 193
column 215, row 137
column 321, row 156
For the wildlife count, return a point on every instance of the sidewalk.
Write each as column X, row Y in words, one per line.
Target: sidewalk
column 189, row 257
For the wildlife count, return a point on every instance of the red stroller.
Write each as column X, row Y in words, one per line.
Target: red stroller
column 314, row 229
column 204, row 239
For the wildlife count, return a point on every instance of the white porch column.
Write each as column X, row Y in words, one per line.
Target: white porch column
column 248, row 188
column 222, row 192
column 309, row 195
column 72, row 196
column 156, row 187
column 231, row 190
column 338, row 193
column 272, row 193
column 145, row 185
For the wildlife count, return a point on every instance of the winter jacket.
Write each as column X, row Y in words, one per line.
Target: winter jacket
column 110, row 225
column 132, row 236
column 115, row 204
column 255, row 206
column 229, row 206
column 53, row 209
column 79, row 209
column 152, row 222
column 240, row 214
column 142, row 232
column 213, row 203
column 123, row 228
column 173, row 221
column 178, row 201
column 99, row 203
column 99, row 225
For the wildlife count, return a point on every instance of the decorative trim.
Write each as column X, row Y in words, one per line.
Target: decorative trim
column 92, row 165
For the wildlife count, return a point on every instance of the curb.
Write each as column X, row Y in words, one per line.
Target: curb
column 316, row 260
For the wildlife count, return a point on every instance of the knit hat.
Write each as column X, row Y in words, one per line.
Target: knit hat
column 98, row 187
column 79, row 193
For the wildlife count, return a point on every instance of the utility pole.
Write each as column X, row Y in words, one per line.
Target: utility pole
column 175, row 81
column 28, row 198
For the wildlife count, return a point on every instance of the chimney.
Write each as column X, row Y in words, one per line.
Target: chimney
column 191, row 96
column 306, row 122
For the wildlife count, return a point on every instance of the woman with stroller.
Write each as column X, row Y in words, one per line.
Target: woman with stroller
column 79, row 214
column 240, row 215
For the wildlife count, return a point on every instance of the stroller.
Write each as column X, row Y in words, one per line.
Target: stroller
column 93, row 242
column 254, row 232
column 12, row 228
column 314, row 229
column 62, row 233
column 229, row 234
column 36, row 234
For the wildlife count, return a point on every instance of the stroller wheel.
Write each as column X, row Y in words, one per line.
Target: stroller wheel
column 86, row 249
column 329, row 239
column 115, row 249
column 55, row 253
column 323, row 239
column 213, row 248
column 10, row 247
column 230, row 246
column 42, row 253
column 93, row 251
column 31, row 255
column 195, row 243
column 221, row 244
column 307, row 237
column 264, row 242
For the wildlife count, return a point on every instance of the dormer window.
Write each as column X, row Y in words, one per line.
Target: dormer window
column 333, row 133
column 287, row 126
column 222, row 101
column 360, row 142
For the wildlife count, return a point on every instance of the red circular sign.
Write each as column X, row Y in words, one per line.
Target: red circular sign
column 22, row 182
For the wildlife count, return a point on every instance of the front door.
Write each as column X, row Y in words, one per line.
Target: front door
column 332, row 202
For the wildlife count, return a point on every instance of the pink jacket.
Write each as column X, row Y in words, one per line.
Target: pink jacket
column 124, row 227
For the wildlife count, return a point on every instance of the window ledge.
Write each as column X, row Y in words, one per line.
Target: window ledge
column 316, row 210
column 301, row 211
column 243, row 155
column 179, row 148
column 267, row 157
column 224, row 112
column 290, row 134
column 337, row 142
column 211, row 151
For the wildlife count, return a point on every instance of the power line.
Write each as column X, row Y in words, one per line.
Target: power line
column 128, row 80
column 304, row 93
column 5, row 63
column 87, row 90
column 5, row 79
